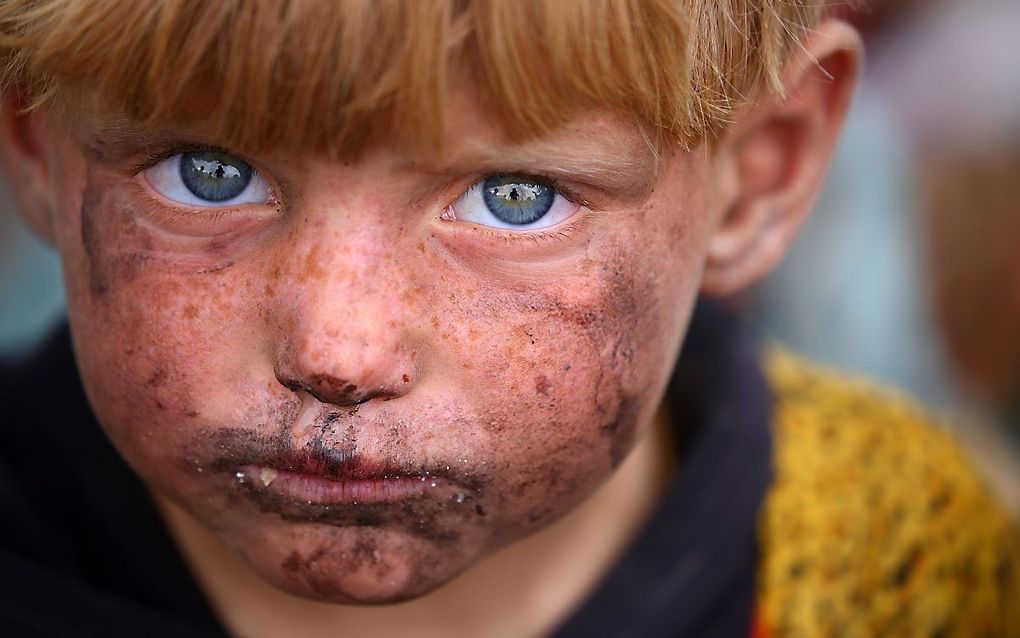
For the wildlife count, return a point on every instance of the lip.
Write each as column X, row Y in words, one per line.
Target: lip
column 324, row 476
column 354, row 488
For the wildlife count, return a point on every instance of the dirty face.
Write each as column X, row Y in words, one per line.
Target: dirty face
column 363, row 377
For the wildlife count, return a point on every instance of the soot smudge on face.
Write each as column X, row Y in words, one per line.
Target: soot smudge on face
column 437, row 518
column 622, row 430
column 90, row 203
column 614, row 320
column 438, row 521
column 102, row 267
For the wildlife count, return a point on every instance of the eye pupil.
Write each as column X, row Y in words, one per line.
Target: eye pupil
column 515, row 200
column 214, row 177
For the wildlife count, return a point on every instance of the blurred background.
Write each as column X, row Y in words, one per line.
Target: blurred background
column 909, row 271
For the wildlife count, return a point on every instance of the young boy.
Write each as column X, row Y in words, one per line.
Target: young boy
column 379, row 303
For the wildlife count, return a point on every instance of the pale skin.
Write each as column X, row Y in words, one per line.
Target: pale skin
column 355, row 314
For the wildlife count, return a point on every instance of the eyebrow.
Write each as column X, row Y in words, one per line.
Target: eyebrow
column 118, row 140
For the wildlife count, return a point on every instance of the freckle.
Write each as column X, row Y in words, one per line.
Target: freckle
column 157, row 378
column 435, row 322
column 312, row 267
column 473, row 334
column 421, row 247
column 410, row 295
column 190, row 312
column 542, row 385
column 268, row 291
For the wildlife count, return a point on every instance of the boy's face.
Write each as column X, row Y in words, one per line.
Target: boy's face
column 350, row 384
column 364, row 376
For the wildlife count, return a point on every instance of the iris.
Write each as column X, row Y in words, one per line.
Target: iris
column 516, row 200
column 214, row 177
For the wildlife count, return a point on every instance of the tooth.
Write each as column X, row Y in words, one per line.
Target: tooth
column 268, row 475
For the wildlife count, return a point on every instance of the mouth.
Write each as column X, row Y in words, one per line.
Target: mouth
column 275, row 474
column 356, row 481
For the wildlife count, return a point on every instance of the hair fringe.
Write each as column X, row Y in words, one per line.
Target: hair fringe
column 337, row 76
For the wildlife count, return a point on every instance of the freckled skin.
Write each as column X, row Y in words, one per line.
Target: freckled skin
column 523, row 372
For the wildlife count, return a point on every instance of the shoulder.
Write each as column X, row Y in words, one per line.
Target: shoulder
column 876, row 523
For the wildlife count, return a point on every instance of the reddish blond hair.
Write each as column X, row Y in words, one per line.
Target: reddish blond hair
column 332, row 76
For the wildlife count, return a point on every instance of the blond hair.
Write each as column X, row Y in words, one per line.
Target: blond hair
column 332, row 76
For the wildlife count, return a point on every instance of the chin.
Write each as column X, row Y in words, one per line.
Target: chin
column 355, row 566
column 366, row 592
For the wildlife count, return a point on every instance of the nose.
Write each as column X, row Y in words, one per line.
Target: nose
column 342, row 334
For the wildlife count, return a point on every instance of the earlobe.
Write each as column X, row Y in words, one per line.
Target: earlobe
column 25, row 162
column 772, row 161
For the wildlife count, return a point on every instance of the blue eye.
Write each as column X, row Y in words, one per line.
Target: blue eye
column 208, row 179
column 214, row 177
column 513, row 202
column 517, row 202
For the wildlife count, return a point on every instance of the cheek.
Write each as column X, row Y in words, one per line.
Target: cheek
column 151, row 336
column 567, row 373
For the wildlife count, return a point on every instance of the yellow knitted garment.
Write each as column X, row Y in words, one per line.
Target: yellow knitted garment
column 876, row 525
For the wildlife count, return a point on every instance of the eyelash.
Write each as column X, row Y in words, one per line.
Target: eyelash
column 538, row 237
column 569, row 194
column 178, row 148
column 152, row 208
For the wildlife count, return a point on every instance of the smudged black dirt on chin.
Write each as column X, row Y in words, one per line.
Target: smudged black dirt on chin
column 434, row 519
column 293, row 562
column 437, row 517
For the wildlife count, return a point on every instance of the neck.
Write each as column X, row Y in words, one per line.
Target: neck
column 526, row 589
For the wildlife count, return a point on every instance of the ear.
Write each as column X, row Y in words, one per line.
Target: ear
column 25, row 159
column 772, row 161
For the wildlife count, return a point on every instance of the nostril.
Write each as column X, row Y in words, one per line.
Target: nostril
column 294, row 385
column 329, row 389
